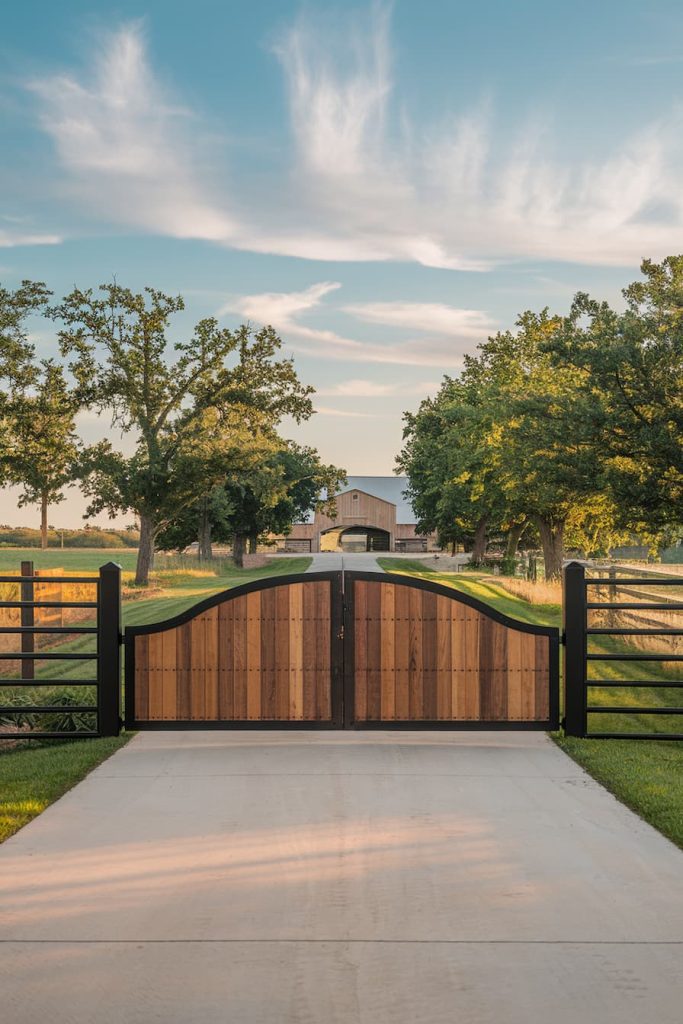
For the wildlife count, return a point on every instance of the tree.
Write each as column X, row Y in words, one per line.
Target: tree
column 631, row 399
column 175, row 401
column 281, row 487
column 42, row 449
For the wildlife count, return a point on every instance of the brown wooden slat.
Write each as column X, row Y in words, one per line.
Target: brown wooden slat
column 323, row 685
column 169, row 695
column 296, row 652
column 226, row 633
column 253, row 644
column 184, row 666
column 268, row 701
column 211, row 664
column 402, row 652
column 141, row 678
column 360, row 601
column 542, row 678
column 429, row 653
column 240, row 675
column 415, row 663
column 282, row 655
column 515, row 649
column 444, row 668
column 387, row 652
column 155, row 667
column 374, row 652
column 309, row 630
column 528, row 674
column 197, row 630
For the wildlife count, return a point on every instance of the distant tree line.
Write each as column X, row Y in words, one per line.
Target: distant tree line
column 208, row 461
column 568, row 430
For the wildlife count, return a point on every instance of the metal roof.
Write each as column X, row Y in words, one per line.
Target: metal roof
column 388, row 488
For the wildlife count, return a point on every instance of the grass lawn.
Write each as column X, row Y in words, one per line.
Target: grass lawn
column 34, row 775
column 645, row 775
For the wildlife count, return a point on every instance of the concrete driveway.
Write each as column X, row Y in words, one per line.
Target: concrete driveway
column 336, row 878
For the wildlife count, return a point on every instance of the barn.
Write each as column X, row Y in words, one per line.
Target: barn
column 373, row 514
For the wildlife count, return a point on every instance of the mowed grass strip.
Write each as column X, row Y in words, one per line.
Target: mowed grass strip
column 32, row 777
column 645, row 775
column 36, row 773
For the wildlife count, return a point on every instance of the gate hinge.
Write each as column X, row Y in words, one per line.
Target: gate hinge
column 563, row 638
column 340, row 634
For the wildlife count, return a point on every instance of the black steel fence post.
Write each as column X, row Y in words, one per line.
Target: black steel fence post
column 574, row 624
column 109, row 650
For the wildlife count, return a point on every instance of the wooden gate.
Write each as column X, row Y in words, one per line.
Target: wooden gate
column 333, row 650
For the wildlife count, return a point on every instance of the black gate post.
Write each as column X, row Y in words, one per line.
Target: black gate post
column 109, row 650
column 574, row 623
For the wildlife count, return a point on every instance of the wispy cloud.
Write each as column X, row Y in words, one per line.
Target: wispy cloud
column 454, row 193
column 127, row 146
column 324, row 410
column 360, row 388
column 9, row 239
column 283, row 310
column 434, row 317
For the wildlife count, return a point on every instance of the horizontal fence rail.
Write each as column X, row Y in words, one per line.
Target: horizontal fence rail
column 577, row 604
column 105, row 680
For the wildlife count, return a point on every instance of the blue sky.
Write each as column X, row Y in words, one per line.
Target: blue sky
column 385, row 183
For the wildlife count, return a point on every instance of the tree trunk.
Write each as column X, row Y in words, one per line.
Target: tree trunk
column 552, row 542
column 43, row 520
column 145, row 562
column 205, row 550
column 253, row 543
column 514, row 536
column 238, row 546
column 479, row 545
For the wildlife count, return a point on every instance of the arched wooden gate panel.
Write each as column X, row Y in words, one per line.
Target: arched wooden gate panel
column 423, row 654
column 333, row 650
column 267, row 653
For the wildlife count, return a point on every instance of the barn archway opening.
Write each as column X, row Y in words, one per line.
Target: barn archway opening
column 355, row 539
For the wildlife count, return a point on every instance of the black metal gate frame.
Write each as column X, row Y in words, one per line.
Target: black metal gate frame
column 342, row 658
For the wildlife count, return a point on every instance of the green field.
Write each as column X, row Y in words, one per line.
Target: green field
column 69, row 559
column 35, row 774
column 645, row 775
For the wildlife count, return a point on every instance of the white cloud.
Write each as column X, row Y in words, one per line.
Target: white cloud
column 359, row 388
column 425, row 316
column 127, row 146
column 324, row 410
column 283, row 309
column 449, row 193
column 10, row 239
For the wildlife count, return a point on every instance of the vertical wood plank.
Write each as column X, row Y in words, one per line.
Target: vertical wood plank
column 361, row 650
column 310, row 625
column 282, row 656
column 465, row 695
column 429, row 651
column 296, row 652
column 239, row 662
column 254, row 656
column 528, row 677
column 211, row 664
column 323, row 684
column 387, row 652
column 142, row 678
column 514, row 675
column 197, row 629
column 444, row 673
column 268, row 704
column 226, row 709
column 374, row 641
column 183, row 674
column 169, row 683
column 402, row 651
column 416, row 692
column 542, row 678
column 155, row 665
